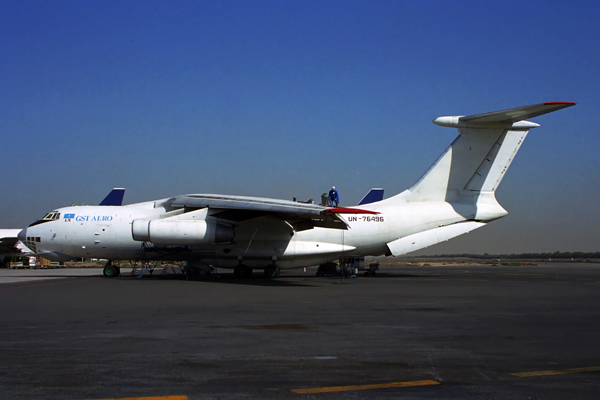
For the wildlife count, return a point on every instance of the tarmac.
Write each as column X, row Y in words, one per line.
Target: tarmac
column 449, row 332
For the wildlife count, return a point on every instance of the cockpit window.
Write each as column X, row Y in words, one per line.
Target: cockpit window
column 51, row 216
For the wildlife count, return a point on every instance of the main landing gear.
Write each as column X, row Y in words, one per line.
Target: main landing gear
column 242, row 271
column 110, row 271
column 272, row 271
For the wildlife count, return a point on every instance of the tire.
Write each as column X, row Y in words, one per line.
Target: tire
column 241, row 271
column 272, row 271
column 110, row 271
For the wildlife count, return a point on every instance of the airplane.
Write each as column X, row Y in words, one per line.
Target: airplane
column 11, row 246
column 455, row 196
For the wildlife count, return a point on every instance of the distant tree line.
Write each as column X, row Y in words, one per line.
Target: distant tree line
column 559, row 255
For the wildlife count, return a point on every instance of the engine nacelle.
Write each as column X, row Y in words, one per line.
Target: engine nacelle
column 181, row 232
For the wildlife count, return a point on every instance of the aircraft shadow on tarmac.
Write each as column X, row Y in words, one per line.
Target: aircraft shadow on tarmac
column 287, row 280
column 225, row 279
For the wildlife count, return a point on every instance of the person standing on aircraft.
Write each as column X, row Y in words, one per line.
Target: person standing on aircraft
column 334, row 197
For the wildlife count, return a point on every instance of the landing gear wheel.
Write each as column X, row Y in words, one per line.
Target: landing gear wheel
column 242, row 271
column 110, row 271
column 272, row 271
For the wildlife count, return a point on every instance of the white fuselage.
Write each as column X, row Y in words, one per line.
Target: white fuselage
column 106, row 232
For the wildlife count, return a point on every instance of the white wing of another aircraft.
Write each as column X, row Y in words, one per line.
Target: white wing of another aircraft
column 11, row 246
column 455, row 196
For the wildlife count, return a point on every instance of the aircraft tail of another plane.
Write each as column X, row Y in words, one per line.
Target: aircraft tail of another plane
column 114, row 198
column 374, row 195
column 475, row 163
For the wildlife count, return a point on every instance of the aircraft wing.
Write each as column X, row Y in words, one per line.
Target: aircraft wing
column 301, row 216
column 10, row 245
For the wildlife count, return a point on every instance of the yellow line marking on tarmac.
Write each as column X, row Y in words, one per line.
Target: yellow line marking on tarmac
column 557, row 372
column 152, row 398
column 364, row 387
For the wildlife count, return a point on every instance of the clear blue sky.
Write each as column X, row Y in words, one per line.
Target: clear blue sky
column 286, row 98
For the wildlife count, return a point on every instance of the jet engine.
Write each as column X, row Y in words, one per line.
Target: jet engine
column 182, row 232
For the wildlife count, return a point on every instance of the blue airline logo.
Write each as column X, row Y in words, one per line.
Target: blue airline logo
column 86, row 218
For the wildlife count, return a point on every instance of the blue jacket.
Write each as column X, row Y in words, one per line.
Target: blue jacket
column 333, row 195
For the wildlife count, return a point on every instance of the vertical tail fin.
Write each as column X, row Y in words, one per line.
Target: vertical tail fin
column 374, row 195
column 478, row 158
column 114, row 198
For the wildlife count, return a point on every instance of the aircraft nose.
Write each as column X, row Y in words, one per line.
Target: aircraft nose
column 22, row 235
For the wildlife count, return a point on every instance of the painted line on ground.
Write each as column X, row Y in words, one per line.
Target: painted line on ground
column 55, row 281
column 364, row 387
column 150, row 398
column 557, row 372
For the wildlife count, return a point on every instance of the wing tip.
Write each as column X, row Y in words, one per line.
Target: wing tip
column 556, row 103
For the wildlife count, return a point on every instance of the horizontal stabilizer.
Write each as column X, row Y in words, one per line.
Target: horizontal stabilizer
column 114, row 198
column 519, row 113
column 512, row 118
